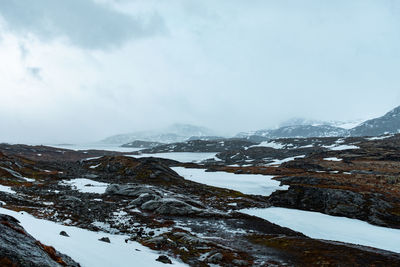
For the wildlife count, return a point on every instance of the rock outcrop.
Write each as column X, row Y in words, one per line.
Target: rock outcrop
column 18, row 248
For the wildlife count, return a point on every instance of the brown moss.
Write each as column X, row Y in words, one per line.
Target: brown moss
column 6, row 262
column 52, row 253
column 311, row 252
column 19, row 230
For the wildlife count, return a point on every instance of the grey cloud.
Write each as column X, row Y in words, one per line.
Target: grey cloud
column 85, row 23
column 230, row 65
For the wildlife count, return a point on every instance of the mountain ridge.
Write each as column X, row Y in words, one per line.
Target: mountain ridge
column 293, row 128
column 177, row 132
column 386, row 124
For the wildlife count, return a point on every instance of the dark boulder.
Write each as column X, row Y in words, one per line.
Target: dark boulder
column 164, row 259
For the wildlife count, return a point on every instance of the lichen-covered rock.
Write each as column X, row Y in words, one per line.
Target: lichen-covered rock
column 143, row 198
column 129, row 190
column 164, row 259
column 170, row 206
column 18, row 248
column 215, row 258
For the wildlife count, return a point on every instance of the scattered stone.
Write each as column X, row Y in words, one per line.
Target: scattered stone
column 63, row 233
column 105, row 239
column 164, row 259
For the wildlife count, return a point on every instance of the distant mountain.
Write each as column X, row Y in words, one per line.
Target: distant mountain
column 142, row 144
column 172, row 134
column 388, row 123
column 300, row 127
column 303, row 121
column 298, row 131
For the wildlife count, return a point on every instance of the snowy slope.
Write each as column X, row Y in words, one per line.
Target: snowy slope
column 298, row 131
column 388, row 123
column 84, row 247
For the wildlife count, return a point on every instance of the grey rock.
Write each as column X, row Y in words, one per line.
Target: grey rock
column 164, row 259
column 129, row 190
column 105, row 239
column 151, row 205
column 215, row 258
column 170, row 206
column 369, row 207
column 63, row 233
column 143, row 198
column 21, row 249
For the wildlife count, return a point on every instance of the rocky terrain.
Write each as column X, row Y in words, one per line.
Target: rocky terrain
column 201, row 225
column 218, row 145
column 359, row 181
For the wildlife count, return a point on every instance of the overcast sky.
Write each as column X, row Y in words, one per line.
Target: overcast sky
column 80, row 70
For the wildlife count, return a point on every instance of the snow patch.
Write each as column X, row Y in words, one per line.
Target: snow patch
column 272, row 144
column 95, row 166
column 280, row 161
column 254, row 184
column 333, row 159
column 6, row 189
column 84, row 185
column 378, row 137
column 322, row 226
column 341, row 147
